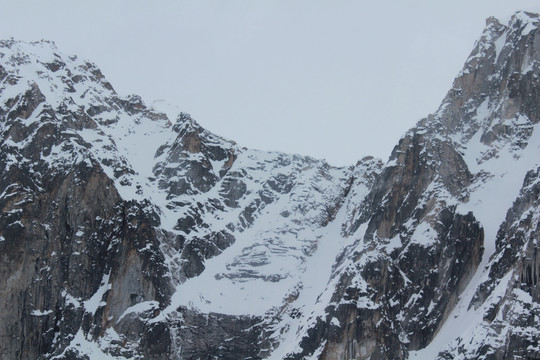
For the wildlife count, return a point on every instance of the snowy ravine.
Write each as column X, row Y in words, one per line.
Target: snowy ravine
column 128, row 234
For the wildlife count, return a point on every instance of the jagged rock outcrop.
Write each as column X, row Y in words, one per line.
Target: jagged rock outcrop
column 96, row 233
column 74, row 253
column 124, row 235
column 419, row 241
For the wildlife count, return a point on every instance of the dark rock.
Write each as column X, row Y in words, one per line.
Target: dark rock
column 218, row 336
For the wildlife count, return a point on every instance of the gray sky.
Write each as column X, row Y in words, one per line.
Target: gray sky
column 332, row 79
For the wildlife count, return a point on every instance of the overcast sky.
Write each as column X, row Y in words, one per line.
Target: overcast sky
column 332, row 79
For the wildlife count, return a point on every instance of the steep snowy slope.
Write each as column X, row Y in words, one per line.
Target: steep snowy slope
column 124, row 235
column 102, row 187
column 501, row 145
column 437, row 271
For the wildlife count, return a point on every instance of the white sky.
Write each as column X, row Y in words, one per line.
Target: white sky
column 333, row 79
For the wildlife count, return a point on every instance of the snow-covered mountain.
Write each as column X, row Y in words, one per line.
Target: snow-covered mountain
column 125, row 234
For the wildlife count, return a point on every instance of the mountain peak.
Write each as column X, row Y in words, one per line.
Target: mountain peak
column 123, row 235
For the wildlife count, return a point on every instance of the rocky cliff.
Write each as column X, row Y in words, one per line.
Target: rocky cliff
column 128, row 235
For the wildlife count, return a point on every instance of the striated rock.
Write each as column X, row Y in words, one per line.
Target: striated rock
column 218, row 336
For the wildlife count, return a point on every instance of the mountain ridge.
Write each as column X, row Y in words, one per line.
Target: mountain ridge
column 127, row 236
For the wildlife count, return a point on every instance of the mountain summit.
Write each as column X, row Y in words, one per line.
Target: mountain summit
column 125, row 234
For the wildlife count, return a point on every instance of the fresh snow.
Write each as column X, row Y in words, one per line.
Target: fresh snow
column 490, row 199
column 41, row 312
column 139, row 308
column 313, row 298
column 499, row 45
column 92, row 304
column 268, row 260
column 80, row 344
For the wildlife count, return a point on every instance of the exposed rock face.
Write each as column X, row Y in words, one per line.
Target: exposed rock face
column 415, row 256
column 219, row 336
column 421, row 231
column 74, row 254
column 125, row 236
